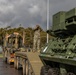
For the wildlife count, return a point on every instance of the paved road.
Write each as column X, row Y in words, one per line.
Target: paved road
column 6, row 69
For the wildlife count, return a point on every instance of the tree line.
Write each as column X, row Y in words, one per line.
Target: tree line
column 28, row 36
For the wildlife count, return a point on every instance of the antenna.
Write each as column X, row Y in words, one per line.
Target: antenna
column 47, row 20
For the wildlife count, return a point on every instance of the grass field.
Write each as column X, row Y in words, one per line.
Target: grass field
column 1, row 55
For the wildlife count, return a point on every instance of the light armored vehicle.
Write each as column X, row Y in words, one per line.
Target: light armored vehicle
column 59, row 55
column 12, row 43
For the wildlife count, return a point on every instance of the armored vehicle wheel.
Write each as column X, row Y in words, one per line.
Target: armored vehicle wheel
column 69, row 73
column 53, row 71
column 15, row 62
column 44, row 70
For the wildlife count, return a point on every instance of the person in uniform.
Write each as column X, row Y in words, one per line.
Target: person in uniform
column 36, row 41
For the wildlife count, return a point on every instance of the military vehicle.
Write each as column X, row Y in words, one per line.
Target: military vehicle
column 29, row 61
column 59, row 55
column 12, row 43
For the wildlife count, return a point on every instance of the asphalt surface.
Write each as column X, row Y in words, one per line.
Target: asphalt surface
column 6, row 69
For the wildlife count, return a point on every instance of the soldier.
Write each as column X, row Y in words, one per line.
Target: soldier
column 36, row 42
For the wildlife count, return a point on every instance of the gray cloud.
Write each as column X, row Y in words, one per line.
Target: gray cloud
column 30, row 12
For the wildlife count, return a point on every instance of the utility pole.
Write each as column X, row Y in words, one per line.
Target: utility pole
column 47, row 20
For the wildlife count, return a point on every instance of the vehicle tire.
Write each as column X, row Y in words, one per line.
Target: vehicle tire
column 24, row 67
column 69, row 73
column 44, row 70
column 53, row 71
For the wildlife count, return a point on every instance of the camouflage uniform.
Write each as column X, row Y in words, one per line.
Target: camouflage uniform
column 36, row 42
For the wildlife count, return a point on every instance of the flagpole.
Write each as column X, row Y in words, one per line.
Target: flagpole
column 47, row 20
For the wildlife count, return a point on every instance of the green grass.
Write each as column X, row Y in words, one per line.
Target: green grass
column 1, row 55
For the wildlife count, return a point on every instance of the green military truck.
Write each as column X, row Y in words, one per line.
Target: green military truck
column 12, row 43
column 59, row 55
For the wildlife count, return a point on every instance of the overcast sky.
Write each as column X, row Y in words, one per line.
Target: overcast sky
column 28, row 13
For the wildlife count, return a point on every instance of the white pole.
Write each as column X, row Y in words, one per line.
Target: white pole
column 47, row 19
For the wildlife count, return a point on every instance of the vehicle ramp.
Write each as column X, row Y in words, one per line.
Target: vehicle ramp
column 34, row 61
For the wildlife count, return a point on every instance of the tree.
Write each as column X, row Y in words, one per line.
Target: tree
column 28, row 36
